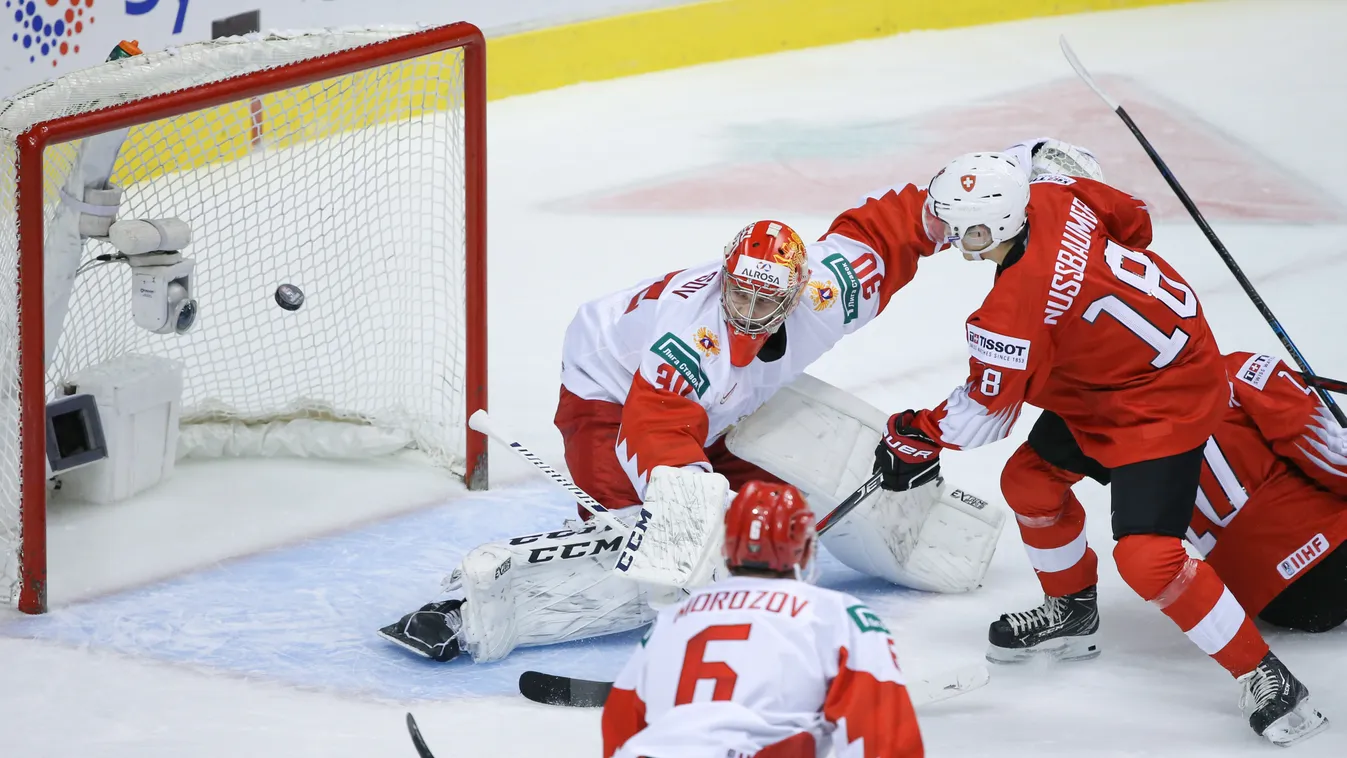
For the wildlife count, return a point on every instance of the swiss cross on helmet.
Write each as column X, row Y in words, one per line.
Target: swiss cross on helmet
column 764, row 273
column 976, row 202
column 769, row 527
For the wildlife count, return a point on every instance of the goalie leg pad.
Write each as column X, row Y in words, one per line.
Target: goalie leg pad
column 541, row 589
column 927, row 538
column 822, row 440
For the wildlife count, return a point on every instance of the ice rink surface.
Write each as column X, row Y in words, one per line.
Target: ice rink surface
column 231, row 611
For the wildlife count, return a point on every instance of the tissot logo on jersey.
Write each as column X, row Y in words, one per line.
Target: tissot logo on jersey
column 1072, row 256
column 1257, row 370
column 997, row 349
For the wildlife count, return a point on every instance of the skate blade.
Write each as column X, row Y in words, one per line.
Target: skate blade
column 1304, row 721
column 393, row 633
column 1081, row 648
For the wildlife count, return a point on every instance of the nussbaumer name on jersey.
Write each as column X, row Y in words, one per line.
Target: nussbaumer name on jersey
column 1072, row 256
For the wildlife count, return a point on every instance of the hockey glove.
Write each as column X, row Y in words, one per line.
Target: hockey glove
column 906, row 457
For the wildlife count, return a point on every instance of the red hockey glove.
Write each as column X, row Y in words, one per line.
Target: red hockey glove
column 906, row 457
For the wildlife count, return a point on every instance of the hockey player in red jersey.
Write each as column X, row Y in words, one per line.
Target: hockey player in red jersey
column 1271, row 511
column 1103, row 335
column 682, row 697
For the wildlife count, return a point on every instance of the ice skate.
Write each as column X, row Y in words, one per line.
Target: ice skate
column 1278, row 705
column 1064, row 628
column 431, row 632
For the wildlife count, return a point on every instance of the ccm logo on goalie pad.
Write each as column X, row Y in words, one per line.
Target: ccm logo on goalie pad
column 997, row 349
column 633, row 541
column 968, row 499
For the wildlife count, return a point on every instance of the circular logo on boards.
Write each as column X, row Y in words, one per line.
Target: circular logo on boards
column 48, row 29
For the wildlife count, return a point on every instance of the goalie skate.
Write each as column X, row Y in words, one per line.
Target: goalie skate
column 1278, row 705
column 1064, row 628
column 431, row 632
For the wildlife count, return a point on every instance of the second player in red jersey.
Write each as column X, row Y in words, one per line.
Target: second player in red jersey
column 1271, row 512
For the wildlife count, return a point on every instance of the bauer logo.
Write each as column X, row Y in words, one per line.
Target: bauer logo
column 997, row 349
column 849, row 283
column 46, row 31
column 683, row 359
column 1257, row 370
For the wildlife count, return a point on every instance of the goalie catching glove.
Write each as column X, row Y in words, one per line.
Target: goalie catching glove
column 905, row 457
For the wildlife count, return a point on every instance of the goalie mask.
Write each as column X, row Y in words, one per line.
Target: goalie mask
column 976, row 202
column 763, row 276
column 769, row 527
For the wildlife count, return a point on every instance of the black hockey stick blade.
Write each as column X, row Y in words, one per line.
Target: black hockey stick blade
column 419, row 743
column 551, row 689
column 866, row 489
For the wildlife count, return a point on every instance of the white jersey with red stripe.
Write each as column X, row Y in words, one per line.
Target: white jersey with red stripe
column 661, row 349
column 749, row 665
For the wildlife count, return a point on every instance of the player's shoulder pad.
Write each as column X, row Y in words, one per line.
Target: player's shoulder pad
column 1257, row 369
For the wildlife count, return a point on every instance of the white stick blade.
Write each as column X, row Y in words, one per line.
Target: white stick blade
column 948, row 684
column 480, row 422
column 1084, row 74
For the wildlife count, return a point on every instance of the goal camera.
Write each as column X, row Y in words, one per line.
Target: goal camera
column 161, row 277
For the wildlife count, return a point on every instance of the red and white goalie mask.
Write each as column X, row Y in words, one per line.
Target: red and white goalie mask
column 763, row 277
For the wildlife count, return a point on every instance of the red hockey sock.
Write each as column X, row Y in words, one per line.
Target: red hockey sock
column 1190, row 593
column 1051, row 521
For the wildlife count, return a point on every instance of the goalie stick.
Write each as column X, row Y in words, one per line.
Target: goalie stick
column 481, row 422
column 1215, row 241
column 551, row 689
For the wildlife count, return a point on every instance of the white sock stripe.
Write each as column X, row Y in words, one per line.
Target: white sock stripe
column 1052, row 560
column 1219, row 626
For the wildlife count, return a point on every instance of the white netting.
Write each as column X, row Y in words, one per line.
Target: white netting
column 351, row 188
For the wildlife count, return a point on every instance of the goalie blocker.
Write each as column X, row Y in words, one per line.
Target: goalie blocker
column 586, row 581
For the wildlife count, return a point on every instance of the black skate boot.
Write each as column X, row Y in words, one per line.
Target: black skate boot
column 1062, row 627
column 431, row 632
column 1278, row 705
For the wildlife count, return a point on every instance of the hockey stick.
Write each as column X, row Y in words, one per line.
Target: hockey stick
column 481, row 422
column 550, row 689
column 1332, row 385
column 1215, row 241
column 831, row 518
column 420, row 744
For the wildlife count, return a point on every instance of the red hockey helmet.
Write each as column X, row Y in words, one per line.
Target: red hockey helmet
column 769, row 527
column 764, row 274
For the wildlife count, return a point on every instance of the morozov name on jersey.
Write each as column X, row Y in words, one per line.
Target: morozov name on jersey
column 997, row 349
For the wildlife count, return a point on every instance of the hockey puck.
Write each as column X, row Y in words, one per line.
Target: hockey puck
column 289, row 297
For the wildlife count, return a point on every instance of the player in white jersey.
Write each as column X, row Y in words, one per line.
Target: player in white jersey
column 763, row 664
column 662, row 404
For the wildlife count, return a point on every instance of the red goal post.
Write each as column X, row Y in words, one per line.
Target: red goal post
column 310, row 93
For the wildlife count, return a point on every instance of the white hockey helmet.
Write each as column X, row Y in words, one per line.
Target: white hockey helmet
column 976, row 202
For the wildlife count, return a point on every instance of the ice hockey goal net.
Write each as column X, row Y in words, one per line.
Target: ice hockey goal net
column 348, row 163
